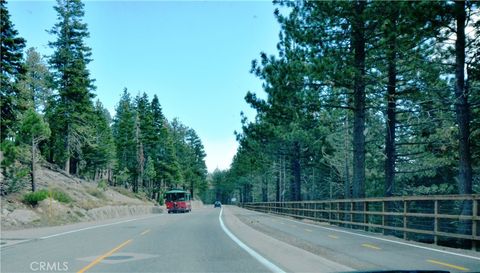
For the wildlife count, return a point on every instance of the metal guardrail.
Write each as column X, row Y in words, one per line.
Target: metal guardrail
column 433, row 219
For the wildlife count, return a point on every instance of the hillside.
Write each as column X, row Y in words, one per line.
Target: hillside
column 85, row 201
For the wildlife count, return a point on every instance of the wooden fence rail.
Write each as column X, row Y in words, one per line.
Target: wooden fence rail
column 432, row 219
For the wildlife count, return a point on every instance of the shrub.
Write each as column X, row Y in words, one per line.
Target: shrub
column 96, row 193
column 33, row 198
column 102, row 184
column 60, row 196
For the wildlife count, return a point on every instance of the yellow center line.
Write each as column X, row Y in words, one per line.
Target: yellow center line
column 308, row 230
column 100, row 258
column 371, row 246
column 145, row 232
column 448, row 265
column 333, row 236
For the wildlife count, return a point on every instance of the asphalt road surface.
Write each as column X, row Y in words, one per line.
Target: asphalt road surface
column 359, row 250
column 247, row 242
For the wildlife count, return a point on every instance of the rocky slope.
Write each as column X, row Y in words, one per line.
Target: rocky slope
column 88, row 202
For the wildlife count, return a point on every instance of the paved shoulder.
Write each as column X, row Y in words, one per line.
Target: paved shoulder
column 360, row 250
column 284, row 255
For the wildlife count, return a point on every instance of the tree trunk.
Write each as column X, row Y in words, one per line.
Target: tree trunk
column 140, row 157
column 277, row 185
column 296, row 173
column 191, row 188
column 264, row 189
column 347, row 167
column 32, row 165
column 462, row 108
column 67, row 162
column 67, row 150
column 358, row 41
column 391, row 105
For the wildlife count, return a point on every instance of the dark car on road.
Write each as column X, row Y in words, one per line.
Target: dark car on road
column 217, row 204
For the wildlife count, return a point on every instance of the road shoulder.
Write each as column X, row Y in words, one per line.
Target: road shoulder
column 13, row 237
column 286, row 256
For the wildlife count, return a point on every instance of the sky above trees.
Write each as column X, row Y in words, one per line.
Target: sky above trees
column 195, row 56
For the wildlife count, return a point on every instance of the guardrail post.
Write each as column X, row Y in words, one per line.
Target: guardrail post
column 329, row 211
column 435, row 219
column 383, row 217
column 365, row 206
column 351, row 214
column 404, row 219
column 474, row 222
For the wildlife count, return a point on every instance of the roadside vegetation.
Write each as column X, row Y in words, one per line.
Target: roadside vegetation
column 363, row 99
column 50, row 117
column 34, row 197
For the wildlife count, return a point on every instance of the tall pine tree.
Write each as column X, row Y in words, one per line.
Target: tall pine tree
column 11, row 68
column 73, row 108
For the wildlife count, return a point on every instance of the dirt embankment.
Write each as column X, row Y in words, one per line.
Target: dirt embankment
column 88, row 202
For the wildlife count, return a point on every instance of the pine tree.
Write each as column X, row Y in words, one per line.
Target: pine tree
column 11, row 68
column 36, row 85
column 99, row 153
column 462, row 108
column 197, row 166
column 73, row 108
column 160, row 149
column 124, row 134
column 33, row 129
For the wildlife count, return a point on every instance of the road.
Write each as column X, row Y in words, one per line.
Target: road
column 197, row 242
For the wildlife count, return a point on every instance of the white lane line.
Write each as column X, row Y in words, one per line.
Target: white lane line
column 385, row 240
column 93, row 227
column 250, row 251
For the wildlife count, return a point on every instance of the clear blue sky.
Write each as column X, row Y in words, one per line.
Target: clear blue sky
column 195, row 56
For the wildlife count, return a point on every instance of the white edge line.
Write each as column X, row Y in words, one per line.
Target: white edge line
column 93, row 227
column 272, row 267
column 381, row 239
column 75, row 230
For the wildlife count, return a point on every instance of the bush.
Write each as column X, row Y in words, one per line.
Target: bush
column 96, row 193
column 33, row 198
column 60, row 196
column 102, row 184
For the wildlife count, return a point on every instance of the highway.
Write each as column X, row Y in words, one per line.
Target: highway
column 238, row 241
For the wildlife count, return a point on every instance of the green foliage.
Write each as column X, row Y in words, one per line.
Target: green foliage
column 99, row 151
column 124, row 135
column 102, row 184
column 441, row 189
column 34, row 198
column 71, row 114
column 51, row 109
column 35, row 87
column 123, row 177
column 15, row 177
column 11, row 70
column 345, row 76
column 60, row 196
column 153, row 154
column 33, row 128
